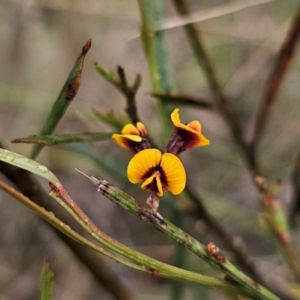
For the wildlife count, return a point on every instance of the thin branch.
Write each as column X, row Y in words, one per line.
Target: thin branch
column 121, row 83
column 181, row 99
column 130, row 92
column 276, row 78
column 295, row 203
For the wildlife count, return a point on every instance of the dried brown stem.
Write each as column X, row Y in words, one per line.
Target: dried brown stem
column 276, row 78
column 295, row 205
column 129, row 92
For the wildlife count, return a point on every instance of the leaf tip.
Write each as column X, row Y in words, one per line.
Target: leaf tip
column 86, row 47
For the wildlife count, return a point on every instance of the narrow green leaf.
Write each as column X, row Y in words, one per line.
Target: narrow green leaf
column 137, row 82
column 47, row 282
column 110, row 119
column 27, row 164
column 55, row 139
column 64, row 99
column 108, row 75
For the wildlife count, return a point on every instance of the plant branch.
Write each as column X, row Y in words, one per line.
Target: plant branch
column 121, row 83
column 149, row 265
column 295, row 203
column 276, row 78
column 55, row 139
column 181, row 99
column 210, row 254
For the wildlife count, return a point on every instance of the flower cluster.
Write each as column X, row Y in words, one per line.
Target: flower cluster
column 159, row 172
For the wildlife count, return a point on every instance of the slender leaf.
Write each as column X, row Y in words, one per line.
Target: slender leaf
column 108, row 75
column 27, row 164
column 55, row 139
column 110, row 118
column 121, row 83
column 47, row 282
column 64, row 99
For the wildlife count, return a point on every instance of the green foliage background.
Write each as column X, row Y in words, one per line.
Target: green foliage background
column 40, row 42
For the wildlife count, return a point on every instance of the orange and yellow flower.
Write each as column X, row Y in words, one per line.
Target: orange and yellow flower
column 133, row 138
column 158, row 171
column 185, row 136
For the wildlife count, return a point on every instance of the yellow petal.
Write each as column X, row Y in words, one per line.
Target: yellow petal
column 140, row 126
column 173, row 172
column 126, row 141
column 134, row 138
column 144, row 186
column 195, row 125
column 159, row 191
column 175, row 117
column 130, row 129
column 142, row 163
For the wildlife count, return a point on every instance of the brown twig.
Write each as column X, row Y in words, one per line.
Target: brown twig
column 276, row 78
column 275, row 218
column 101, row 272
column 129, row 93
column 295, row 204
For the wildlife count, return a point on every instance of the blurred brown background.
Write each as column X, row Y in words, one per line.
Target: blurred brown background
column 40, row 41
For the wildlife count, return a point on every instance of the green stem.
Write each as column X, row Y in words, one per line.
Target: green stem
column 148, row 264
column 210, row 254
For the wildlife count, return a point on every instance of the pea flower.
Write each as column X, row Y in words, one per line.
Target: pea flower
column 185, row 135
column 133, row 138
column 158, row 171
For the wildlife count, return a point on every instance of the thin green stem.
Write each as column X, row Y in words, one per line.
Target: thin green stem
column 209, row 254
column 148, row 264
